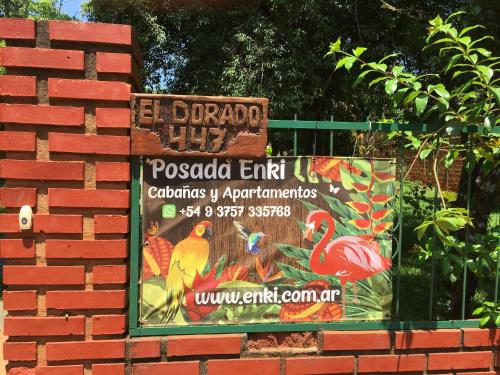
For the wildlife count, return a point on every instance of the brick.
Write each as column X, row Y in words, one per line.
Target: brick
column 475, row 337
column 113, row 63
column 17, row 248
column 197, row 345
column 90, row 32
column 41, row 114
column 325, row 365
column 57, row 223
column 478, row 373
column 44, row 326
column 459, row 361
column 262, row 366
column 19, row 351
column 19, row 300
column 21, row 371
column 88, row 89
column 102, row 349
column 356, row 340
column 170, row 368
column 418, row 339
column 86, row 299
column 44, row 275
column 391, row 363
column 41, row 170
column 111, row 224
column 18, row 196
column 60, row 370
column 108, row 369
column 42, row 58
column 17, row 141
column 109, row 171
column 43, row 223
column 17, row 28
column 86, row 249
column 88, row 198
column 108, row 324
column 89, row 144
column 18, row 86
column 112, row 117
column 104, row 275
column 145, row 348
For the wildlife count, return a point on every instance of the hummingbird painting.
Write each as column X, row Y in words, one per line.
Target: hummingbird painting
column 252, row 239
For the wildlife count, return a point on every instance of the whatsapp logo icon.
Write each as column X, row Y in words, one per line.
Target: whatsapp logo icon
column 168, row 211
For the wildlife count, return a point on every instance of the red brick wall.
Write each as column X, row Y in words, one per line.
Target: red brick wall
column 449, row 178
column 64, row 108
column 65, row 151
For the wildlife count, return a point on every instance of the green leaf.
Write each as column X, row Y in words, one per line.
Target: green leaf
column 388, row 57
column 390, row 86
column 358, row 51
column 424, row 153
column 335, row 47
column 496, row 92
column 410, row 97
column 347, row 61
column 465, row 40
column 397, row 70
column 399, row 95
column 467, row 29
column 450, row 158
column 441, row 91
column 478, row 311
column 484, row 52
column 484, row 320
column 486, row 72
column 459, row 73
column 377, row 80
column 453, row 60
column 453, row 15
column 361, row 77
column 379, row 66
column 437, row 21
column 421, row 103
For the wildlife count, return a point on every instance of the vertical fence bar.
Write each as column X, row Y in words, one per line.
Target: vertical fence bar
column 467, row 231
column 295, row 138
column 433, row 249
column 134, row 243
column 495, row 297
column 331, row 138
column 400, row 222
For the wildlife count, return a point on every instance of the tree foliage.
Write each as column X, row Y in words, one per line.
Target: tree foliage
column 463, row 94
column 274, row 49
column 37, row 9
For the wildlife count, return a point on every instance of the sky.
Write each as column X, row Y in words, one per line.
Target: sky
column 72, row 8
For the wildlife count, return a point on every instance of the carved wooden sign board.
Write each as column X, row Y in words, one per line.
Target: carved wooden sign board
column 198, row 125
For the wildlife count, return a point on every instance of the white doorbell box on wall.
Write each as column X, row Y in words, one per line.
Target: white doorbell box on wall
column 25, row 217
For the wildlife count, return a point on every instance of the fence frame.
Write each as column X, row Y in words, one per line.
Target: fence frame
column 295, row 126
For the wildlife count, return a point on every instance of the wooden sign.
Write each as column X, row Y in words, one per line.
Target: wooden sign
column 198, row 125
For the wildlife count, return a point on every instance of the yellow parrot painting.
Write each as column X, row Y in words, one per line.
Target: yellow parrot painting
column 189, row 257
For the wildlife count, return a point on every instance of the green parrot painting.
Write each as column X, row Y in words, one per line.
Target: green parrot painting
column 252, row 239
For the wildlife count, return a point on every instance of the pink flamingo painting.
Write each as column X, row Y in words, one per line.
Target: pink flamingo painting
column 349, row 258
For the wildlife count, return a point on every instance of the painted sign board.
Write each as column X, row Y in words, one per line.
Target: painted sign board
column 214, row 126
column 269, row 240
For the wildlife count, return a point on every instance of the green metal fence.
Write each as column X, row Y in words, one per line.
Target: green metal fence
column 329, row 127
